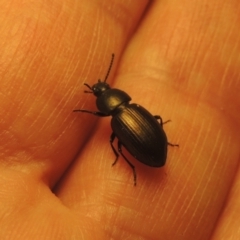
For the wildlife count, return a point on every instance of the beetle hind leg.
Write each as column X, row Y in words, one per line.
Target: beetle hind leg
column 160, row 120
column 129, row 163
column 173, row 145
column 161, row 123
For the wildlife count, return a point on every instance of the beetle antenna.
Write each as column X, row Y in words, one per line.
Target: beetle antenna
column 89, row 88
column 109, row 69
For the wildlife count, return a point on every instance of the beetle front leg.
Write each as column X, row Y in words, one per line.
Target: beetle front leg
column 99, row 114
column 112, row 137
column 129, row 163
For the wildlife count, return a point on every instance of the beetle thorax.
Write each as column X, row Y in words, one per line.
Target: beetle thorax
column 111, row 99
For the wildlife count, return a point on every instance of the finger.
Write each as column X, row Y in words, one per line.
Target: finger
column 227, row 225
column 42, row 80
column 172, row 65
column 55, row 48
column 184, row 60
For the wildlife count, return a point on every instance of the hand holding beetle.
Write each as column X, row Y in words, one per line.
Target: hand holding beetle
column 177, row 60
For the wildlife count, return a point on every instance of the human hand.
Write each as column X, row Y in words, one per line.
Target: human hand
column 179, row 60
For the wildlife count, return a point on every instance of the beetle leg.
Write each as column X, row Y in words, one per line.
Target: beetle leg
column 166, row 121
column 112, row 137
column 129, row 163
column 99, row 114
column 173, row 145
column 161, row 121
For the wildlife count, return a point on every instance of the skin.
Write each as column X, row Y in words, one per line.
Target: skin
column 178, row 60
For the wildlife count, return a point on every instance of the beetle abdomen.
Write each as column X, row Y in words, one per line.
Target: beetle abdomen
column 141, row 134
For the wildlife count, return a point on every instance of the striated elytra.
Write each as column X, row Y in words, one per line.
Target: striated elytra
column 136, row 129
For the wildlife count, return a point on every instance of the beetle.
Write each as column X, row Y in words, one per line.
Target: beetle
column 136, row 129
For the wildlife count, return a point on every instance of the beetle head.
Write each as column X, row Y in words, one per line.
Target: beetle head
column 98, row 88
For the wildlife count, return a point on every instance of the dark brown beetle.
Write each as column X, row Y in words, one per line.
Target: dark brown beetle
column 136, row 129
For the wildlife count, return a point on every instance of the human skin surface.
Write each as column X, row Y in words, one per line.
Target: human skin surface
column 178, row 59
